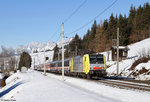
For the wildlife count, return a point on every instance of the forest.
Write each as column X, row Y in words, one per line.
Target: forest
column 132, row 28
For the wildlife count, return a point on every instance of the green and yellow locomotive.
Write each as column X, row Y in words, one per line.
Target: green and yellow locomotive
column 89, row 65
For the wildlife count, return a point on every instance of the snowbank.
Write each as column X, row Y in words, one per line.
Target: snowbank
column 124, row 95
column 40, row 88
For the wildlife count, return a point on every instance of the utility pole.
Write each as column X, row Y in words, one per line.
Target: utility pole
column 44, row 63
column 34, row 62
column 117, row 51
column 76, row 53
column 62, row 51
column 149, row 31
column 58, row 55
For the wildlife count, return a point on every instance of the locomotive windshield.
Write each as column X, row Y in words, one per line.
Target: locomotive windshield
column 96, row 59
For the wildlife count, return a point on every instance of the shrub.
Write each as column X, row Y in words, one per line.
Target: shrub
column 144, row 57
column 140, row 60
column 3, row 82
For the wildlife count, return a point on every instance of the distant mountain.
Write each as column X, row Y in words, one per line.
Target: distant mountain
column 66, row 42
column 37, row 46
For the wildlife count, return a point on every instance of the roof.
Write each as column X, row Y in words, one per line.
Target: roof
column 121, row 47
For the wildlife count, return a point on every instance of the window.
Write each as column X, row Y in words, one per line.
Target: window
column 96, row 59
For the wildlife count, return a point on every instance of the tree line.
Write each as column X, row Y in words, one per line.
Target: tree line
column 99, row 38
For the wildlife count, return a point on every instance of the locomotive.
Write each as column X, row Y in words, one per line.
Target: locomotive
column 86, row 66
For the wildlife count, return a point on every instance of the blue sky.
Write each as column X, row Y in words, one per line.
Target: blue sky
column 24, row 21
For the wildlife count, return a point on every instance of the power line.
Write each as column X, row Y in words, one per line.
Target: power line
column 69, row 18
column 54, row 34
column 93, row 18
column 75, row 11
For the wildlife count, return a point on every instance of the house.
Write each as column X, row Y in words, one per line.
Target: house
column 123, row 52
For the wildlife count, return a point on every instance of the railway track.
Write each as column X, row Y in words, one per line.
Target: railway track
column 126, row 84
column 123, row 84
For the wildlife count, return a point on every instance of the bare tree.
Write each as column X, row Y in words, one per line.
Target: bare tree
column 12, row 62
column 7, row 59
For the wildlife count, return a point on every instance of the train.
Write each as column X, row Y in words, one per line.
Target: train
column 85, row 66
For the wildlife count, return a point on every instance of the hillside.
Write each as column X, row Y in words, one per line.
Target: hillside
column 137, row 49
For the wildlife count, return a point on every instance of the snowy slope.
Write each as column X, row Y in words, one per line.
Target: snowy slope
column 33, row 46
column 39, row 88
column 137, row 49
column 66, row 42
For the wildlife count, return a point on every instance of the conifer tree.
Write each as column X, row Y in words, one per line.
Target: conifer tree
column 25, row 60
column 105, row 28
column 111, row 27
column 56, row 51
column 93, row 31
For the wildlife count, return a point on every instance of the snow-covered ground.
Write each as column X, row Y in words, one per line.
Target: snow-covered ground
column 138, row 49
column 39, row 88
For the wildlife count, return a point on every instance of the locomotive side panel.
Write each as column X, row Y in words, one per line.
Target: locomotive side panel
column 86, row 64
column 71, row 65
column 78, row 64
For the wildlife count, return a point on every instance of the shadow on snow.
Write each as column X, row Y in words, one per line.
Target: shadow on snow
column 9, row 89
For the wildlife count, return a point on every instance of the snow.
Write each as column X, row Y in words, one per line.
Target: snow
column 38, row 58
column 137, row 48
column 33, row 46
column 50, row 88
column 41, row 88
column 34, row 86
column 120, row 47
column 145, row 65
column 66, row 42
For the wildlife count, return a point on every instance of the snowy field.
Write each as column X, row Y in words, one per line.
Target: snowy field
column 39, row 88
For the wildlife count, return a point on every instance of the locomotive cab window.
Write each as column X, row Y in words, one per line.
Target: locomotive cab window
column 100, row 60
column 96, row 59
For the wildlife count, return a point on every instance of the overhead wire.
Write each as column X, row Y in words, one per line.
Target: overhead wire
column 93, row 18
column 54, row 34
column 75, row 11
column 69, row 17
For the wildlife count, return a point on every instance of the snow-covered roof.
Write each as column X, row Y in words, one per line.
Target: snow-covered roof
column 121, row 47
